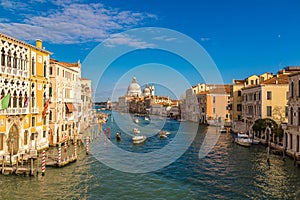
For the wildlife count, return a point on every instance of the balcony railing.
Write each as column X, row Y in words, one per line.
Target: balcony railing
column 34, row 110
column 13, row 71
column 14, row 111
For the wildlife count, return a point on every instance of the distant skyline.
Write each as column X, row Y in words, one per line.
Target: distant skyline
column 242, row 37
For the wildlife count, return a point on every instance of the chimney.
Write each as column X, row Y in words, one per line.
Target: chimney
column 39, row 43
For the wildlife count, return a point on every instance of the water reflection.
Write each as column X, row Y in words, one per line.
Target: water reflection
column 227, row 172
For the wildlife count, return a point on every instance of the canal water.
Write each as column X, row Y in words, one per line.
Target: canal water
column 228, row 171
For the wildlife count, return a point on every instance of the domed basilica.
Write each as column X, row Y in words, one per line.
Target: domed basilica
column 134, row 89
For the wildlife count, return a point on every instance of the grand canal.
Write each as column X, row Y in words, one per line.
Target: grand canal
column 227, row 172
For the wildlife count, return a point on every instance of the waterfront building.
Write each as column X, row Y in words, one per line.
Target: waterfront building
column 85, row 115
column 292, row 132
column 190, row 106
column 236, row 98
column 136, row 101
column 65, row 107
column 267, row 99
column 213, row 104
column 24, row 84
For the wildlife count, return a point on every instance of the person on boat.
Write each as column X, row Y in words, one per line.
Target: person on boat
column 118, row 136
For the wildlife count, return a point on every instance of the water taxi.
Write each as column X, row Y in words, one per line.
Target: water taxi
column 243, row 140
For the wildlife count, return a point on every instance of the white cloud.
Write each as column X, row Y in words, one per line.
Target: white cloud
column 74, row 23
column 124, row 39
column 165, row 38
column 13, row 5
column 203, row 39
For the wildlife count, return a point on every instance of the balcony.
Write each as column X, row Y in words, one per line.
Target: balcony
column 13, row 71
column 34, row 110
column 14, row 111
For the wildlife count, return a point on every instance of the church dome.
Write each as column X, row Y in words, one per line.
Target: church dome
column 134, row 89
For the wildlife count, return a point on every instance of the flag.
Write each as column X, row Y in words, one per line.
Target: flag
column 45, row 108
column 5, row 102
column 26, row 101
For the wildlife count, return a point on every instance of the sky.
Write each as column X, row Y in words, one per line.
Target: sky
column 236, row 39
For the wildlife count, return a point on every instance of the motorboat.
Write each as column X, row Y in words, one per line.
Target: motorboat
column 138, row 139
column 222, row 129
column 136, row 131
column 162, row 134
column 146, row 118
column 243, row 140
column 136, row 120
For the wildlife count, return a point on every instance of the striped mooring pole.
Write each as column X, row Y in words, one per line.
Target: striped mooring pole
column 108, row 133
column 87, row 145
column 65, row 146
column 59, row 154
column 75, row 148
column 43, row 162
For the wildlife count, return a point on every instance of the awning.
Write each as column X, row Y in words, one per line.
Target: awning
column 70, row 107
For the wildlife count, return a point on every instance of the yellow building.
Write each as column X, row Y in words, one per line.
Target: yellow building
column 236, row 98
column 213, row 104
column 23, row 75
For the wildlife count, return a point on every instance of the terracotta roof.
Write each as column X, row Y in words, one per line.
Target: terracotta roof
column 226, row 89
column 77, row 64
column 279, row 79
column 239, row 81
column 82, row 78
column 203, row 92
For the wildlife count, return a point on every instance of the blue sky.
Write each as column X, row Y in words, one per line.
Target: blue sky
column 242, row 37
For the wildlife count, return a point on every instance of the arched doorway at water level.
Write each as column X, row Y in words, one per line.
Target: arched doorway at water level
column 13, row 140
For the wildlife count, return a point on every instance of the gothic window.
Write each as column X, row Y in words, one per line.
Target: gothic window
column 33, row 66
column 15, row 100
column 45, row 69
column 20, row 100
column 15, row 60
column 9, row 59
column 32, row 100
column 2, row 57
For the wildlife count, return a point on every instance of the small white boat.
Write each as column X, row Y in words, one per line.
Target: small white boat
column 136, row 131
column 136, row 120
column 146, row 118
column 138, row 139
column 222, row 129
column 243, row 140
column 162, row 134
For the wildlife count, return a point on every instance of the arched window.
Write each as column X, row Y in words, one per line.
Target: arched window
column 15, row 100
column 25, row 99
column 9, row 59
column 15, row 60
column 32, row 100
column 20, row 100
column 292, row 116
column 2, row 57
column 33, row 66
column 298, row 116
column 292, row 89
column 45, row 69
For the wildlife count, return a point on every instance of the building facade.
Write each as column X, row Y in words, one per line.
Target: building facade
column 65, row 100
column 24, row 86
column 213, row 105
column 292, row 132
